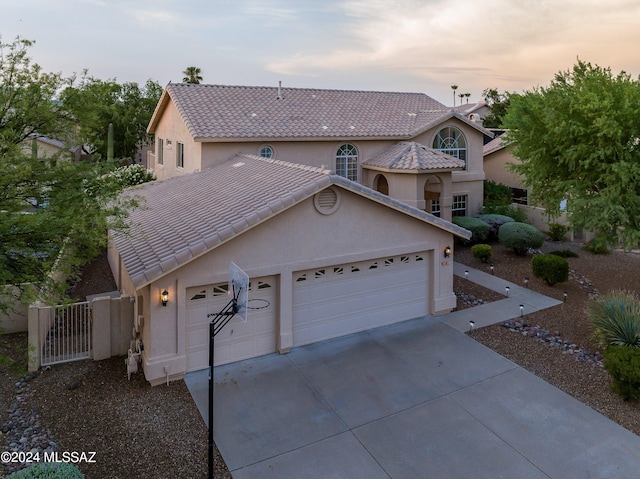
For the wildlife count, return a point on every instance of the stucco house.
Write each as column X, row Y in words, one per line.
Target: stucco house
column 326, row 257
column 336, row 203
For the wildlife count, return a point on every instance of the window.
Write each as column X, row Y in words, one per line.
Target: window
column 347, row 162
column 451, row 141
column 266, row 152
column 435, row 208
column 160, row 151
column 180, row 155
column 459, row 207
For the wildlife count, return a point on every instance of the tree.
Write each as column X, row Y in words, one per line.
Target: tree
column 499, row 104
column 578, row 143
column 97, row 103
column 81, row 200
column 192, row 75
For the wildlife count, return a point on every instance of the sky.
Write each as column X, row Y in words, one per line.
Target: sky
column 384, row 45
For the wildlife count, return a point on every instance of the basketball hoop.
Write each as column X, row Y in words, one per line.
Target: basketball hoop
column 258, row 303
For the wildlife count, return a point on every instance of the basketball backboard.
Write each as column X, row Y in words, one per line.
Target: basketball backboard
column 239, row 288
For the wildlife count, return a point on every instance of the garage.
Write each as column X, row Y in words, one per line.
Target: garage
column 333, row 301
column 237, row 340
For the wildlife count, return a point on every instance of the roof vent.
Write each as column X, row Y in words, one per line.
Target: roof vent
column 327, row 201
column 280, row 90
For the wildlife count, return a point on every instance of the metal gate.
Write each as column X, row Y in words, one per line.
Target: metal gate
column 66, row 336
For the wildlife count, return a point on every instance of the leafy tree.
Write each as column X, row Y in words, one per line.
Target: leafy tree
column 579, row 140
column 96, row 103
column 80, row 200
column 499, row 104
column 192, row 75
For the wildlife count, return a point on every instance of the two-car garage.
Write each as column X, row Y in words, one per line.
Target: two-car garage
column 328, row 302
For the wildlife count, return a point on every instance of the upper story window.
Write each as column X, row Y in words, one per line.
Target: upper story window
column 266, row 152
column 160, row 151
column 180, row 155
column 451, row 141
column 347, row 162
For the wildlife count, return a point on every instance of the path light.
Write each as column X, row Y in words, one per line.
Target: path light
column 565, row 296
column 521, row 310
column 471, row 325
column 506, row 288
column 491, row 268
column 526, row 282
column 466, row 274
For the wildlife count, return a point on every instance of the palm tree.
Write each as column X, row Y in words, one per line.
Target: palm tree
column 454, row 88
column 467, row 95
column 192, row 75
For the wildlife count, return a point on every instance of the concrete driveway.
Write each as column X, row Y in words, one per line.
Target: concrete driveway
column 417, row 399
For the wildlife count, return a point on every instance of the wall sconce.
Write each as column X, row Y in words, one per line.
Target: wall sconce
column 447, row 251
column 164, row 297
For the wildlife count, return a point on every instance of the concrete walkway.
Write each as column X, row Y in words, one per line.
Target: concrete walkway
column 413, row 400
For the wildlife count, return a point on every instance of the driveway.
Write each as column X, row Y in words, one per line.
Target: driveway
column 412, row 400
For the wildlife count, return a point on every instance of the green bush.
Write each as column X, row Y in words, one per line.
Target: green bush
column 483, row 252
column 479, row 229
column 615, row 318
column 557, row 231
column 495, row 222
column 596, row 247
column 520, row 237
column 496, row 193
column 550, row 267
column 623, row 364
column 565, row 253
column 511, row 211
column 48, row 470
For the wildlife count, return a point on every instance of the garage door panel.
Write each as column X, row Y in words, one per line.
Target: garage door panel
column 236, row 340
column 343, row 299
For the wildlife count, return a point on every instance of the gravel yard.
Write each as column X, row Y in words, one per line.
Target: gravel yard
column 140, row 431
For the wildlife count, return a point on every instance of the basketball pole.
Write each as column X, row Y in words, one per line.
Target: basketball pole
column 228, row 312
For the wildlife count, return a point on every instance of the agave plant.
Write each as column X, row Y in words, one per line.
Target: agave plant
column 616, row 319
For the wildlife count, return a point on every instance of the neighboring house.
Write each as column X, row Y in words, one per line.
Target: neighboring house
column 475, row 112
column 390, row 142
column 326, row 257
column 48, row 147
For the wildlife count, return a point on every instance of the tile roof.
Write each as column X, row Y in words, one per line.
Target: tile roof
column 498, row 143
column 186, row 216
column 217, row 112
column 413, row 156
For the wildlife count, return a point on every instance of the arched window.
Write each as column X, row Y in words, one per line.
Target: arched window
column 347, row 162
column 451, row 141
column 266, row 152
column 382, row 185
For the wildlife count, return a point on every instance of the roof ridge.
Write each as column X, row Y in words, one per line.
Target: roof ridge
column 288, row 164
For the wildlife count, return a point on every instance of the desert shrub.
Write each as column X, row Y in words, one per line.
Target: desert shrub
column 552, row 268
column 557, row 231
column 520, row 237
column 495, row 222
column 596, row 247
column 479, row 229
column 565, row 253
column 48, row 470
column 483, row 252
column 519, row 215
column 615, row 318
column 623, row 364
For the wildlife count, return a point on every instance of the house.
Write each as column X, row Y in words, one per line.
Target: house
column 326, row 257
column 475, row 112
column 390, row 142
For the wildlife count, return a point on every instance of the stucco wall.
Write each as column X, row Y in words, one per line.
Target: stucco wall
column 296, row 239
column 496, row 168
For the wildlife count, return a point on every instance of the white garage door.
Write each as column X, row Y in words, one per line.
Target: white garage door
column 338, row 300
column 237, row 340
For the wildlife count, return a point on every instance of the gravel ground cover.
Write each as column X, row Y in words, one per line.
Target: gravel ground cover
column 140, row 431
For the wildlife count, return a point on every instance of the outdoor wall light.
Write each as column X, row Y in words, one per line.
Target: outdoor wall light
column 447, row 251
column 164, row 297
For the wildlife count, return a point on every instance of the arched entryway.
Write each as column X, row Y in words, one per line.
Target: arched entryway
column 432, row 194
column 381, row 185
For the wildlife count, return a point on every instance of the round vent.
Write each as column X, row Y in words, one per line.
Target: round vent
column 327, row 201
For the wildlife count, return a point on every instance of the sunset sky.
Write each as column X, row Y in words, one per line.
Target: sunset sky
column 389, row 45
